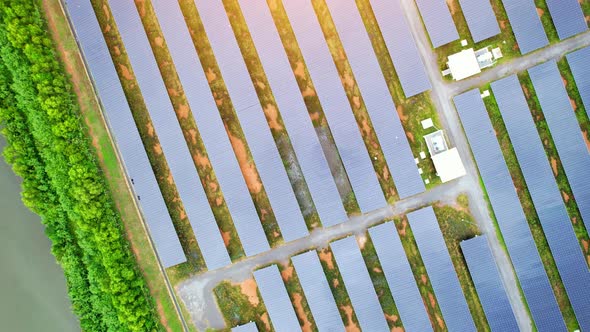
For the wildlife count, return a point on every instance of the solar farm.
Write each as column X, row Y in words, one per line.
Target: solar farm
column 350, row 165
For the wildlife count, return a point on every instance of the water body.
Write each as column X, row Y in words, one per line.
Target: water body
column 33, row 294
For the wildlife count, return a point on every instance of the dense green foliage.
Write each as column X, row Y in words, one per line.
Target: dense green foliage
column 42, row 199
column 62, row 181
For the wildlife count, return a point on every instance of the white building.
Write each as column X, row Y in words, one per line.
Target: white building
column 469, row 62
column 447, row 161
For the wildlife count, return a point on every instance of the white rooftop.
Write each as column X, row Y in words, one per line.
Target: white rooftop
column 463, row 64
column 448, row 165
column 427, row 123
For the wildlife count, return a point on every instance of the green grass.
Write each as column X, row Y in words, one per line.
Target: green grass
column 189, row 129
column 272, row 113
column 312, row 102
column 380, row 283
column 237, row 308
column 420, row 275
column 337, row 286
column 527, row 204
column 562, row 181
column 457, row 224
column 109, row 162
column 546, row 20
column 151, row 143
column 297, row 296
column 586, row 8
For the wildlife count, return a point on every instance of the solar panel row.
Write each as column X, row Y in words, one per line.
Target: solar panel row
column 359, row 285
column 578, row 62
column 509, row 214
column 294, row 112
column 224, row 163
column 486, row 278
column 401, row 46
column 480, row 18
column 122, row 126
column 276, row 299
column 438, row 21
column 335, row 105
column 565, row 131
column 169, row 132
column 249, row 327
column 378, row 100
column 317, row 292
column 251, row 116
column 567, row 17
column 441, row 271
column 545, row 194
column 526, row 25
column 400, row 278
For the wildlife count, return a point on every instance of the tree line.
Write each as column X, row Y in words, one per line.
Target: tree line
column 49, row 149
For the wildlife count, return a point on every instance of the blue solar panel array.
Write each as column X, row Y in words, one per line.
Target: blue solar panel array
column 359, row 285
column 565, row 131
column 578, row 62
column 122, row 126
column 509, row 214
column 489, row 287
column 480, row 18
column 169, row 132
column 400, row 278
column 546, row 196
column 305, row 141
column 249, row 327
column 441, row 271
column 438, row 21
column 276, row 299
column 526, row 25
column 567, row 17
column 337, row 109
column 247, row 105
column 378, row 100
column 317, row 292
column 401, row 46
column 211, row 128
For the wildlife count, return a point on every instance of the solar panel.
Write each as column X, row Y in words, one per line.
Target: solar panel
column 359, row 285
column 275, row 297
column 332, row 96
column 249, row 327
column 400, row 278
column 169, row 132
column 546, row 196
column 480, row 18
column 565, row 131
column 567, row 17
column 438, row 21
column 305, row 141
column 526, row 25
column 223, row 160
column 122, row 126
column 401, row 46
column 578, row 62
column 489, row 287
column 441, row 271
column 374, row 91
column 509, row 214
column 317, row 292
column 247, row 105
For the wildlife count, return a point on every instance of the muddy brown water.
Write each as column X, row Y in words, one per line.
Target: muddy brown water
column 33, row 293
